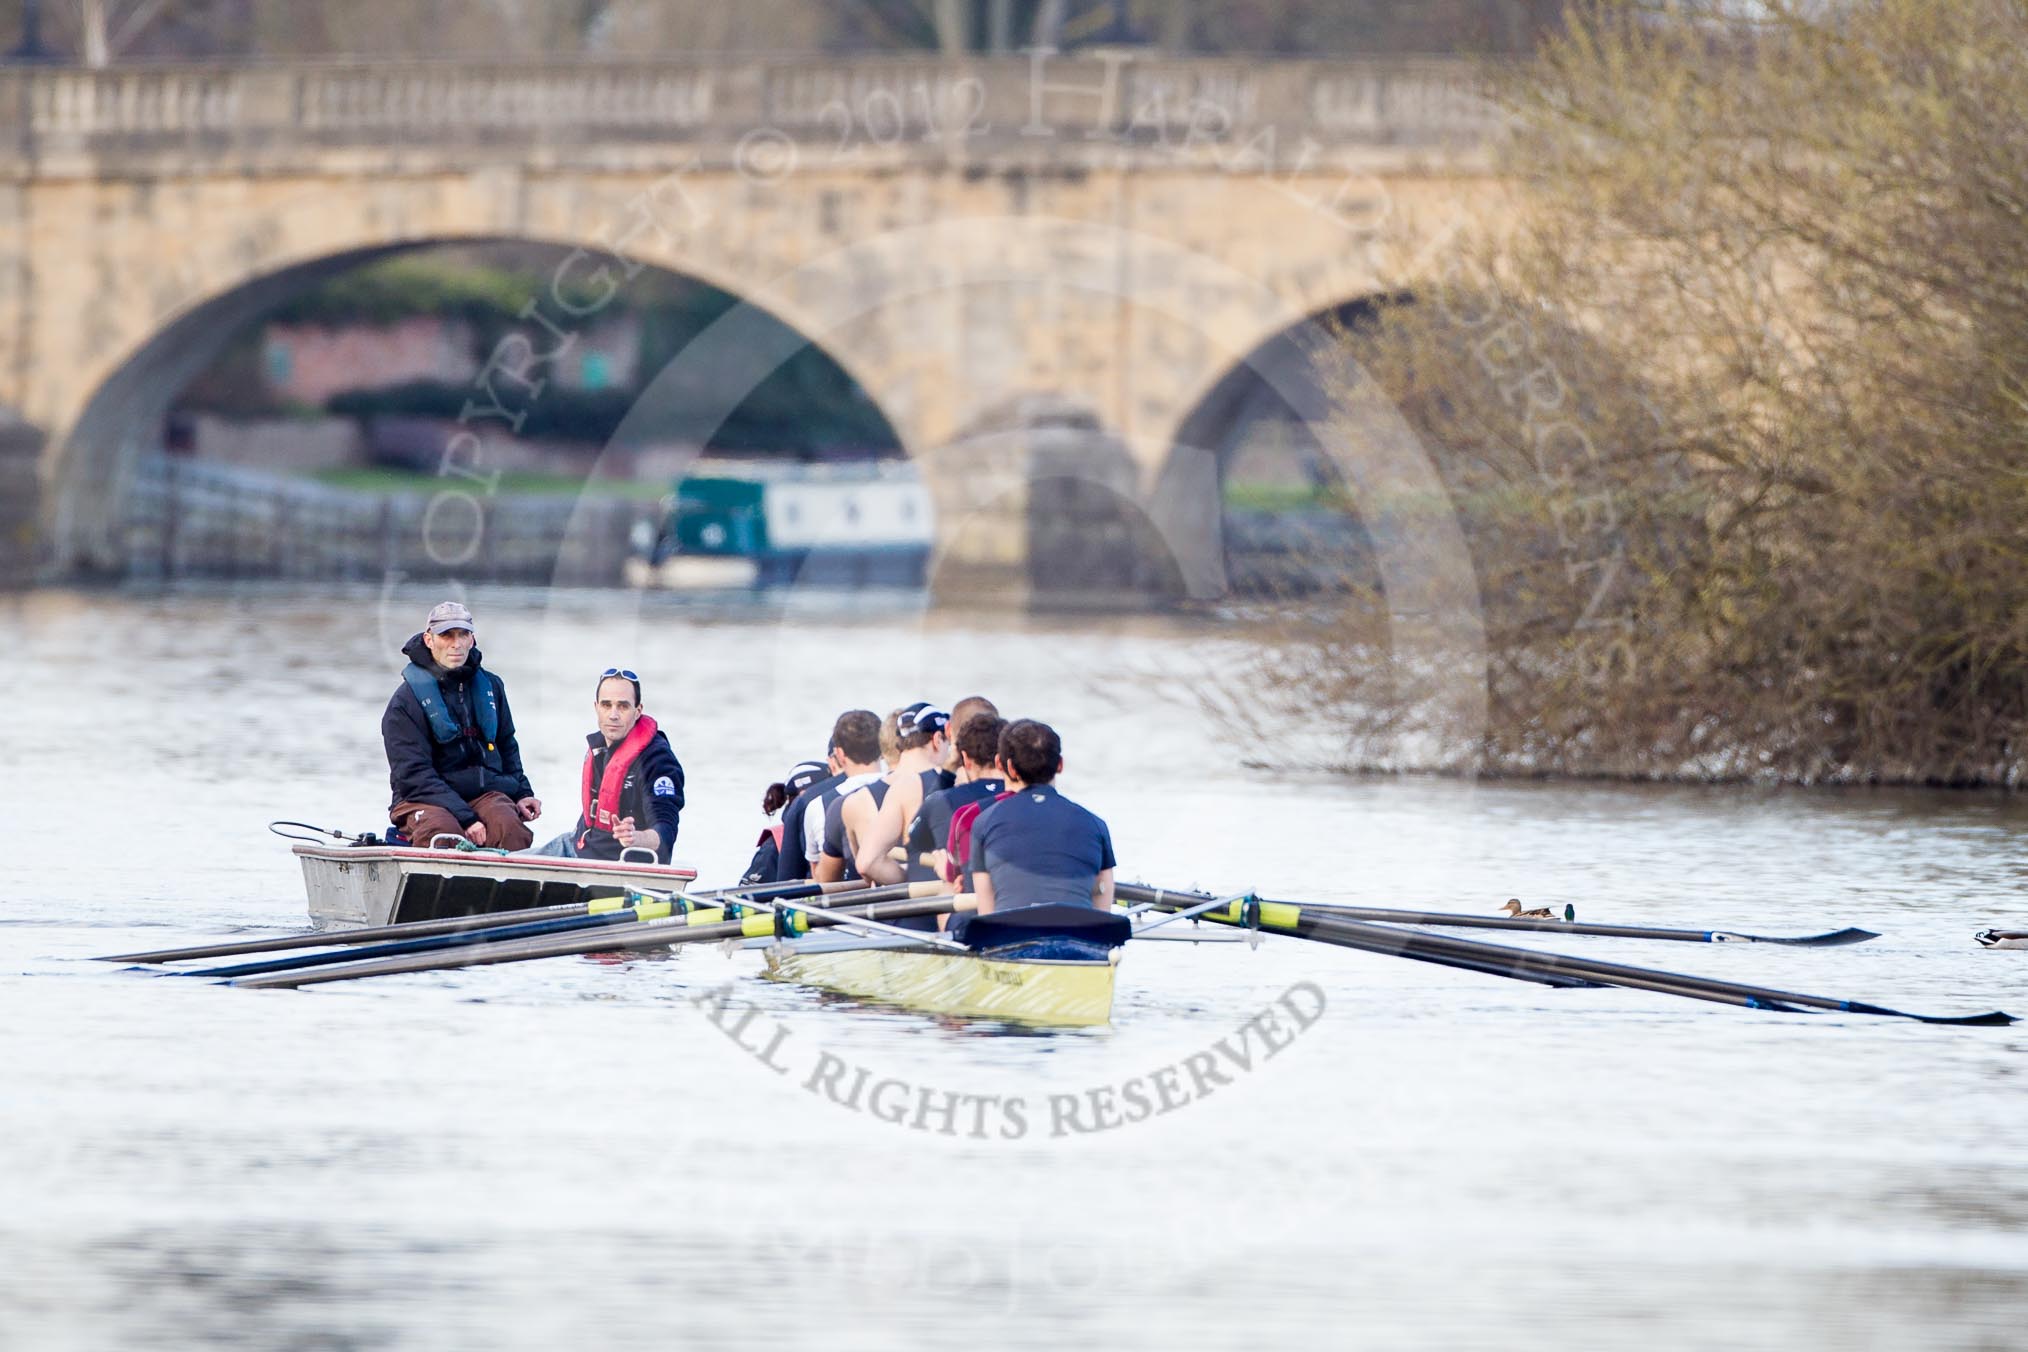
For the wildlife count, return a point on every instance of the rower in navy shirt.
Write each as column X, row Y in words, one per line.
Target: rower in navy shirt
column 929, row 835
column 1035, row 846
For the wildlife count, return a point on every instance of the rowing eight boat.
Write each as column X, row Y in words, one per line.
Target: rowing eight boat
column 1049, row 966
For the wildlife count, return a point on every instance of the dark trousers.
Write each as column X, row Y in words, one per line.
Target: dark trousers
column 422, row 823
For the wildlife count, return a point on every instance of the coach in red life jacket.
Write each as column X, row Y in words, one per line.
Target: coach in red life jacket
column 451, row 755
column 630, row 790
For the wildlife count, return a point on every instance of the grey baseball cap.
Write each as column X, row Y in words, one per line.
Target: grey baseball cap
column 449, row 615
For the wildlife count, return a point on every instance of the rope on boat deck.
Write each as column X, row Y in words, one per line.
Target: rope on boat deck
column 318, row 833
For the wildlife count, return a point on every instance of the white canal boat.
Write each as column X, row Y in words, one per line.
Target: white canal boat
column 740, row 524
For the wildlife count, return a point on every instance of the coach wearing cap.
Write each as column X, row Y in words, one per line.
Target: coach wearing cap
column 451, row 755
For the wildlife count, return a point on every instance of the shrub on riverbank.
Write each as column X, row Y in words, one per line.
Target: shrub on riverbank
column 1735, row 422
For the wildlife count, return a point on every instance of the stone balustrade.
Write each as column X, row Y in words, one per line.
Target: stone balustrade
column 57, row 120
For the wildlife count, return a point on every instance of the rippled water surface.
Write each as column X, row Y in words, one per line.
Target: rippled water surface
column 570, row 1153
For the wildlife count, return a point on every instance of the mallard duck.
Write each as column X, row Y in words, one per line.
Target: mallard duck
column 1513, row 908
column 1995, row 938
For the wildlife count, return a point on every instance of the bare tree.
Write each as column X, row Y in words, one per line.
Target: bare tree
column 1734, row 419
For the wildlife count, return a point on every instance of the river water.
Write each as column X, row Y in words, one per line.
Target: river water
column 572, row 1152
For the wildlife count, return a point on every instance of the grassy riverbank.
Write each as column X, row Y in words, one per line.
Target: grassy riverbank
column 377, row 479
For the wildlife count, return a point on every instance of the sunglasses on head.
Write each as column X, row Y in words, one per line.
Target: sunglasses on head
column 623, row 674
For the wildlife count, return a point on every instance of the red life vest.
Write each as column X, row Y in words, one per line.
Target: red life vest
column 960, row 853
column 602, row 812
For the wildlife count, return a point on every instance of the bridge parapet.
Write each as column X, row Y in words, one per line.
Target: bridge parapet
column 62, row 122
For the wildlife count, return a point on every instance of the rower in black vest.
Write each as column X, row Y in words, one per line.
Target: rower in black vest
column 916, row 842
column 854, row 758
column 838, row 853
column 919, row 741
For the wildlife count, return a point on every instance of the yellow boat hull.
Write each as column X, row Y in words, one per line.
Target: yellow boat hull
column 1045, row 992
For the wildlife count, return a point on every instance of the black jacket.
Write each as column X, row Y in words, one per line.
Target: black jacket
column 450, row 775
column 791, row 864
column 761, row 868
column 652, row 794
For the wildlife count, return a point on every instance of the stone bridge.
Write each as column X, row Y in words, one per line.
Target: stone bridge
column 1104, row 243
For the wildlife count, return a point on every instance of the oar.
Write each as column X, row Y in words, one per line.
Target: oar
column 1520, row 963
column 646, row 906
column 698, row 927
column 1487, row 967
column 859, row 924
column 1172, row 916
column 642, row 908
column 415, row 929
column 1387, row 916
column 422, row 929
column 1193, row 912
column 1492, row 960
column 1829, row 939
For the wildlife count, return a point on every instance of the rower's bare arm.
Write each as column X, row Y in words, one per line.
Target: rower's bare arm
column 982, row 888
column 829, row 868
column 880, row 871
column 1102, row 890
column 862, row 818
column 881, row 833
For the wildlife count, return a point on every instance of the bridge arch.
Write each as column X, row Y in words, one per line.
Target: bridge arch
column 1295, row 405
column 151, row 331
